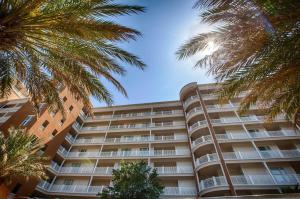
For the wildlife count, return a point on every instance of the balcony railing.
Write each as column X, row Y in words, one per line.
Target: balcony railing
column 229, row 120
column 61, row 150
column 248, row 155
column 194, row 110
column 198, row 124
column 61, row 188
column 174, row 170
column 134, row 115
column 108, row 170
column 180, row 191
column 188, row 100
column 70, row 138
column 3, row 119
column 236, row 136
column 131, row 139
column 134, row 153
column 133, row 126
column 83, row 189
column 259, row 180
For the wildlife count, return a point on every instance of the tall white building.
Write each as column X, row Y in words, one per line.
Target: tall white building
column 199, row 148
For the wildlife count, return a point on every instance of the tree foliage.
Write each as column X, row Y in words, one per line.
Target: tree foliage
column 258, row 50
column 18, row 156
column 43, row 43
column 134, row 180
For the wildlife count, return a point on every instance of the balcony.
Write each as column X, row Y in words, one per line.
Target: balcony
column 242, row 136
column 136, row 115
column 62, row 151
column 173, row 124
column 134, row 139
column 3, row 119
column 193, row 112
column 93, row 190
column 107, row 171
column 251, row 180
column 189, row 100
column 169, row 171
column 11, row 109
column 61, row 188
column 248, row 155
column 122, row 154
column 230, row 120
column 70, row 138
column 197, row 125
column 180, row 191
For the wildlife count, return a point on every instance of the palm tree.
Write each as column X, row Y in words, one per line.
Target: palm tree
column 257, row 49
column 18, row 156
column 134, row 180
column 45, row 43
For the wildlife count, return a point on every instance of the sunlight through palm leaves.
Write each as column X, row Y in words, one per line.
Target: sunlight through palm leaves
column 258, row 50
column 44, row 43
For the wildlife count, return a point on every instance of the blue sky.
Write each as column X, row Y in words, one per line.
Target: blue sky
column 165, row 25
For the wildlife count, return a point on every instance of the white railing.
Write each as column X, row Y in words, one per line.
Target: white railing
column 138, row 114
column 260, row 180
column 218, row 106
column 76, row 126
column 194, row 110
column 11, row 109
column 188, row 100
column 225, row 120
column 75, row 189
column 3, row 119
column 70, row 138
column 248, row 155
column 181, row 191
column 108, row 170
column 62, row 151
column 93, row 128
column 54, row 166
column 83, row 115
column 133, row 153
column 235, row 136
column 104, row 170
column 197, row 124
column 76, row 170
column 43, row 185
column 132, row 126
column 130, row 139
column 174, row 170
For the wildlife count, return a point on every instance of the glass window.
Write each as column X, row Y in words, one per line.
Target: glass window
column 44, row 125
column 27, row 120
column 71, row 108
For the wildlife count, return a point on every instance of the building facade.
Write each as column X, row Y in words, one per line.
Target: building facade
column 16, row 110
column 199, row 148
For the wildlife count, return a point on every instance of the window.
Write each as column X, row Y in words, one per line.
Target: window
column 27, row 120
column 71, row 108
column 53, row 113
column 44, row 125
column 54, row 132
column 68, row 182
column 65, row 99
column 61, row 122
